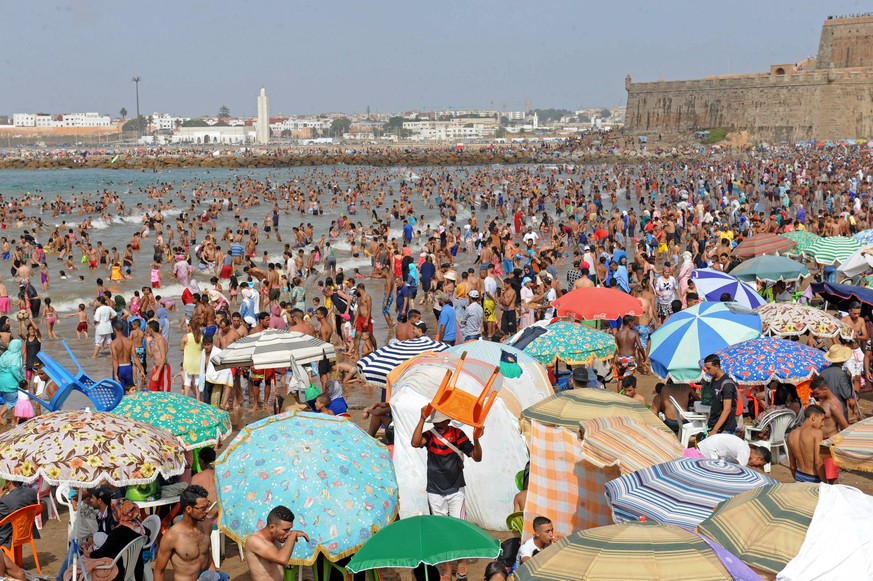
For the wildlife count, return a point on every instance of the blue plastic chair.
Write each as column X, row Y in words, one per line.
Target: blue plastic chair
column 104, row 394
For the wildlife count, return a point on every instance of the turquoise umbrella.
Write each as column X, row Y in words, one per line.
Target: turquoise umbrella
column 688, row 336
column 337, row 480
column 770, row 268
column 572, row 343
column 803, row 238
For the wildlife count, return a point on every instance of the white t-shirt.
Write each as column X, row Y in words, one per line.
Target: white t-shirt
column 725, row 447
column 551, row 295
column 532, row 237
column 666, row 289
column 490, row 287
column 527, row 549
column 103, row 320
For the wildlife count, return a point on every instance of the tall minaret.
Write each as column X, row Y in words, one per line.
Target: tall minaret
column 263, row 125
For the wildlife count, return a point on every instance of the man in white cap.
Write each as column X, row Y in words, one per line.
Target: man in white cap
column 472, row 317
column 446, row 447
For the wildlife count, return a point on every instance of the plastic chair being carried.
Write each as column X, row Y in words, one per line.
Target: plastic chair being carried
column 104, row 394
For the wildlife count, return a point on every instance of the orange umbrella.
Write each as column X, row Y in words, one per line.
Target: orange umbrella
column 595, row 304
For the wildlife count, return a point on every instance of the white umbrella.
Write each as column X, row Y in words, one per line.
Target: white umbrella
column 274, row 349
column 861, row 262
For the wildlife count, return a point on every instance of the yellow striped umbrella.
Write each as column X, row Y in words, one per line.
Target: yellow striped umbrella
column 570, row 407
column 766, row 526
column 636, row 445
column 852, row 448
column 627, row 552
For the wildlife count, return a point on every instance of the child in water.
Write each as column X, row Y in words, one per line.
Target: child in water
column 156, row 275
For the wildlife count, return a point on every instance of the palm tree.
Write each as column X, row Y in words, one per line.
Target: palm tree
column 123, row 113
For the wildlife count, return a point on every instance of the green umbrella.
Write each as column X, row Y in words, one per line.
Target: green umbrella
column 833, row 249
column 424, row 539
column 803, row 238
column 770, row 268
column 195, row 424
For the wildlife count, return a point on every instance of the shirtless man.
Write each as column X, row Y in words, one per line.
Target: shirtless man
column 584, row 280
column 859, row 326
column 364, row 321
column 298, row 323
column 186, row 544
column 834, row 421
column 629, row 348
column 160, row 379
column 405, row 331
column 226, row 334
column 124, row 358
column 682, row 393
column 629, row 388
column 644, row 326
column 267, row 551
column 804, row 447
column 325, row 331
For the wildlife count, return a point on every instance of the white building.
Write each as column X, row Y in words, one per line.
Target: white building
column 459, row 128
column 24, row 120
column 85, row 120
column 263, row 123
column 298, row 124
column 166, row 122
column 207, row 135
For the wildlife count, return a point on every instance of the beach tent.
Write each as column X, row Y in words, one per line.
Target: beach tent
column 490, row 483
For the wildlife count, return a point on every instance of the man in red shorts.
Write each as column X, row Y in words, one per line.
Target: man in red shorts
column 364, row 320
column 160, row 378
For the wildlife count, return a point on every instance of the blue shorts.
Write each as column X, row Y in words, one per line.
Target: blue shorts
column 209, row 331
column 10, row 398
column 125, row 375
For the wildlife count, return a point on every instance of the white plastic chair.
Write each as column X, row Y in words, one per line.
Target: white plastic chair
column 45, row 491
column 690, row 424
column 218, row 542
column 62, row 495
column 778, row 423
column 152, row 524
column 128, row 556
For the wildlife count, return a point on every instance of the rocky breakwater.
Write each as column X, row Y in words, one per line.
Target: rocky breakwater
column 394, row 156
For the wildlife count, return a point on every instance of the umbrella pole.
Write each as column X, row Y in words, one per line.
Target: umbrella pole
column 76, row 544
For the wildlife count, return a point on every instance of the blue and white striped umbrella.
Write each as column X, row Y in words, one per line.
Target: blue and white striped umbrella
column 711, row 284
column 681, row 492
column 376, row 366
column 688, row 336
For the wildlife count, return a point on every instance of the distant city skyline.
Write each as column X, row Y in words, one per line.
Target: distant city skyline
column 194, row 57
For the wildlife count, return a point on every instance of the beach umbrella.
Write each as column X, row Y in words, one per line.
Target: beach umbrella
column 572, row 343
column 833, row 249
column 765, row 526
column 568, row 408
column 86, row 449
column 842, row 295
column 770, row 269
column 860, row 262
column 759, row 361
column 791, row 319
column 195, row 424
column 632, row 551
column 630, row 442
column 762, row 244
column 852, row 448
column 273, row 349
column 681, row 492
column 711, row 284
column 597, row 304
column 686, row 337
column 338, row 480
column 865, row 237
column 424, row 539
column 376, row 366
column 803, row 239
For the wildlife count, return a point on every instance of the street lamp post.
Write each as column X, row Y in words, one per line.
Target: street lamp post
column 136, row 79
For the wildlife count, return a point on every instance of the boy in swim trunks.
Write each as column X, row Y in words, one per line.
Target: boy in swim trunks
column 804, row 443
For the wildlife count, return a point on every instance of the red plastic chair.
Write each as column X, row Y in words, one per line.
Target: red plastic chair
column 22, row 533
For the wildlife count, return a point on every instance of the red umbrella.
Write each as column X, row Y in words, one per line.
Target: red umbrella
column 762, row 244
column 595, row 304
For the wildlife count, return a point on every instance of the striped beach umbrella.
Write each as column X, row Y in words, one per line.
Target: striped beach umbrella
column 765, row 243
column 688, row 336
column 711, row 284
column 682, row 492
column 631, row 443
column 568, row 408
column 630, row 552
column 758, row 361
column 833, row 249
column 766, row 526
column 274, row 349
column 852, row 448
column 803, row 239
column 376, row 366
column 770, row 269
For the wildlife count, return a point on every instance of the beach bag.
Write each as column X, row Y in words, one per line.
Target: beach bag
column 23, row 407
column 312, row 392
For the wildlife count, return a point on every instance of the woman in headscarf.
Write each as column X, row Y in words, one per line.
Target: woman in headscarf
column 338, row 403
column 685, row 270
column 128, row 528
column 11, row 376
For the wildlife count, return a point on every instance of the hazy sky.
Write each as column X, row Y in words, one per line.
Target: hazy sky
column 343, row 55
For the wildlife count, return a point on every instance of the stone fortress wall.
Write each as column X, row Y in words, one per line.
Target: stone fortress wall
column 826, row 97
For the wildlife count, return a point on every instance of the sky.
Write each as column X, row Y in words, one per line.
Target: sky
column 194, row 56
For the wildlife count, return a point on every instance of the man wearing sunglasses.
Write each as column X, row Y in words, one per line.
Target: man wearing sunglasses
column 186, row 544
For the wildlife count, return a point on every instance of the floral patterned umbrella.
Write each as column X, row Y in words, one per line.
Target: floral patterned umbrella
column 761, row 360
column 196, row 424
column 572, row 343
column 86, row 449
column 789, row 319
column 803, row 238
column 338, row 481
